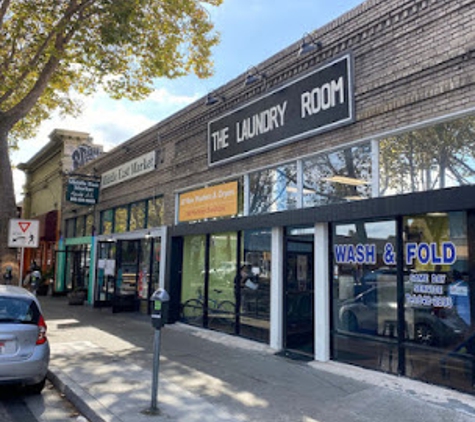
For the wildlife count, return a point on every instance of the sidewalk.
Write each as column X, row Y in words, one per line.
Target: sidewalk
column 103, row 363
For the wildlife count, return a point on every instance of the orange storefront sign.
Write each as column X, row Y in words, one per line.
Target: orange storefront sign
column 215, row 201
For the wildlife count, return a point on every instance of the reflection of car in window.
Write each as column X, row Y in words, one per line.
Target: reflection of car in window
column 374, row 312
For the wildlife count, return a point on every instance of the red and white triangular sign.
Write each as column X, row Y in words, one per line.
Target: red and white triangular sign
column 24, row 226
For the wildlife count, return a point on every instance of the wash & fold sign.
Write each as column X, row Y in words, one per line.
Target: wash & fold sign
column 423, row 253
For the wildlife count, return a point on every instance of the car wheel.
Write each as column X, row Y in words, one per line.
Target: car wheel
column 349, row 322
column 424, row 334
column 36, row 388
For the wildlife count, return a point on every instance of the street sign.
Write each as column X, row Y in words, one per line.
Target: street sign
column 23, row 233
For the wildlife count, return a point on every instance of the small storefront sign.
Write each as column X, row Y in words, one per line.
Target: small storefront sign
column 134, row 168
column 319, row 101
column 215, row 201
column 82, row 191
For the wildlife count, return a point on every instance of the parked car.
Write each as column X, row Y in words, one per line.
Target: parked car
column 374, row 312
column 24, row 348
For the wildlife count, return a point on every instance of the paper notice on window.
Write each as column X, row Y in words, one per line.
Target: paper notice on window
column 109, row 268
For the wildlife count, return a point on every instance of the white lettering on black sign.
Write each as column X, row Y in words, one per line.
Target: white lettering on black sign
column 316, row 102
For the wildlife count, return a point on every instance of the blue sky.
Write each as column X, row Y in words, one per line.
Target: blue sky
column 251, row 31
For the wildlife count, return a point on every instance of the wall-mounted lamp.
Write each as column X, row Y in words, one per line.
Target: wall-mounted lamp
column 253, row 75
column 213, row 99
column 148, row 236
column 308, row 45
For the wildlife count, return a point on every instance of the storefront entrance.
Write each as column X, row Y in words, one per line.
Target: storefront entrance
column 299, row 291
column 105, row 274
column 76, row 271
column 137, row 274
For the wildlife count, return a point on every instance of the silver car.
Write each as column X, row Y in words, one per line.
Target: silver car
column 24, row 348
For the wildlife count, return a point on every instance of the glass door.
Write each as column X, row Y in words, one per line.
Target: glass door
column 127, row 276
column 105, row 274
column 299, row 291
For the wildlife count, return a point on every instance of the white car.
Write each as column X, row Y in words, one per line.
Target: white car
column 24, row 348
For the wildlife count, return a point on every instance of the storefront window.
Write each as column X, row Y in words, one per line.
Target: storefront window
column 273, row 189
column 436, row 157
column 193, row 276
column 89, row 225
column 155, row 212
column 120, row 220
column 254, row 284
column 80, row 226
column 438, row 298
column 365, row 293
column 70, row 227
column 338, row 176
column 107, row 219
column 137, row 216
column 222, row 272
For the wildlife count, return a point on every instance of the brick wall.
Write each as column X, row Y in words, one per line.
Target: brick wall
column 414, row 61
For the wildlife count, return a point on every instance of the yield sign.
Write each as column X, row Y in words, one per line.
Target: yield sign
column 24, row 226
column 23, row 233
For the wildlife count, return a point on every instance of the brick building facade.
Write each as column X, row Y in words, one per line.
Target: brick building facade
column 356, row 232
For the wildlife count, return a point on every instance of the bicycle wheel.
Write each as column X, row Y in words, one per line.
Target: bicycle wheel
column 192, row 312
column 225, row 315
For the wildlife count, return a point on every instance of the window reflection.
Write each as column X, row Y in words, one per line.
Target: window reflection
column 120, row 220
column 273, row 189
column 137, row 216
column 155, row 212
column 339, row 176
column 437, row 297
column 436, row 157
column 107, row 221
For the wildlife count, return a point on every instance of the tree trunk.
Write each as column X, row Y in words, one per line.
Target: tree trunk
column 8, row 256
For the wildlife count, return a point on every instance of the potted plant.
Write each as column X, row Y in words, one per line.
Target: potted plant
column 77, row 296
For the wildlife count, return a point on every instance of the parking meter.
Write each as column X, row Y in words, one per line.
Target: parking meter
column 160, row 304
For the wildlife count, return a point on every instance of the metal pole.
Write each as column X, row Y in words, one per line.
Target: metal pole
column 156, row 367
column 22, row 254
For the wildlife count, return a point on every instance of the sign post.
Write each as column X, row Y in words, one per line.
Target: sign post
column 23, row 234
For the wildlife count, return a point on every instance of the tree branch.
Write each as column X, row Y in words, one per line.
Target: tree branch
column 55, row 32
column 4, row 5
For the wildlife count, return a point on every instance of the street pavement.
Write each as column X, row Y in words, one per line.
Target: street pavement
column 103, row 363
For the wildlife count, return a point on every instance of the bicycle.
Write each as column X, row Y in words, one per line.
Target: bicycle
column 221, row 313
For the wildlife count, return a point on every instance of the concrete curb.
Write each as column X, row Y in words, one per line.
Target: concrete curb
column 86, row 404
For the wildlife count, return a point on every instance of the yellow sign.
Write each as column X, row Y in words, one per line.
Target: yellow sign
column 215, row 201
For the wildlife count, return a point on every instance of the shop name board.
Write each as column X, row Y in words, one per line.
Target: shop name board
column 137, row 167
column 212, row 202
column 82, row 191
column 319, row 101
column 422, row 253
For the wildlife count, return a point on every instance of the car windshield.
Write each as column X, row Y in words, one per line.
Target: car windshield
column 21, row 310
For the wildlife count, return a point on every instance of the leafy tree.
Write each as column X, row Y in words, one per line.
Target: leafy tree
column 50, row 48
